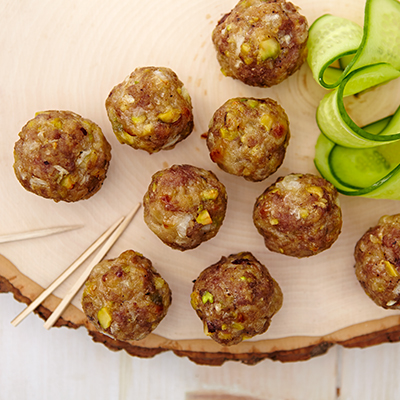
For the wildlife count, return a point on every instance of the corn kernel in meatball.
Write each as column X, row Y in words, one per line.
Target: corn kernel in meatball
column 299, row 215
column 377, row 262
column 185, row 206
column 236, row 298
column 61, row 156
column 126, row 297
column 261, row 42
column 248, row 137
column 150, row 110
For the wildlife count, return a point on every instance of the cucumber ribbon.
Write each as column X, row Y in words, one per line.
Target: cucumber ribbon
column 359, row 161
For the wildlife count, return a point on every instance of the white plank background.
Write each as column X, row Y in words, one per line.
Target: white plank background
column 65, row 364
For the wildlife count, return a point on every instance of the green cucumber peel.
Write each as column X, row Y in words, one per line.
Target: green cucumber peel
column 326, row 45
column 381, row 37
column 334, row 38
column 369, row 172
column 333, row 119
column 359, row 161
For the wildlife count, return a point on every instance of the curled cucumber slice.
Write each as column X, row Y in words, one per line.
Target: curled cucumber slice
column 326, row 45
column 359, row 161
column 333, row 119
column 334, row 38
column 371, row 172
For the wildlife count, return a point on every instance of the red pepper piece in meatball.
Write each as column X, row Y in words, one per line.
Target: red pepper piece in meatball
column 261, row 42
column 61, row 156
column 126, row 297
column 248, row 137
column 150, row 110
column 377, row 262
column 236, row 298
column 185, row 206
column 299, row 215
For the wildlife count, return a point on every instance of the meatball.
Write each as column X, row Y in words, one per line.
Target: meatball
column 261, row 42
column 236, row 298
column 377, row 262
column 248, row 137
column 299, row 215
column 126, row 297
column 61, row 156
column 185, row 206
column 150, row 110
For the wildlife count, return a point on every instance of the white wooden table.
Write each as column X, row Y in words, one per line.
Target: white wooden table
column 65, row 364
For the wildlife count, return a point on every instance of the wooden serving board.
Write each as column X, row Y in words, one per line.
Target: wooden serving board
column 69, row 55
column 204, row 351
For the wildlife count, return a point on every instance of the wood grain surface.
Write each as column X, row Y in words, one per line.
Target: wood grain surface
column 71, row 60
column 204, row 352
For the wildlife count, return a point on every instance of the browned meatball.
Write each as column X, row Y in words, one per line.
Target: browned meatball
column 185, row 206
column 126, row 297
column 377, row 267
column 236, row 298
column 299, row 215
column 61, row 156
column 150, row 110
column 248, row 137
column 261, row 42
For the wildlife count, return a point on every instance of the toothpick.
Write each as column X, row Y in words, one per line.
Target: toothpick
column 37, row 233
column 89, row 251
column 81, row 280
